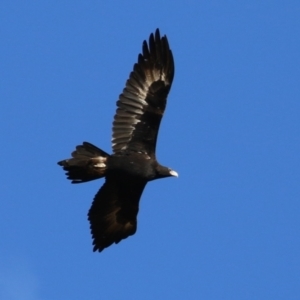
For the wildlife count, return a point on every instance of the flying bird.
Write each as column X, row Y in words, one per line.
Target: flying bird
column 113, row 214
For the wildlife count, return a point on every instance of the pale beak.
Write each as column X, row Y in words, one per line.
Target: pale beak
column 173, row 173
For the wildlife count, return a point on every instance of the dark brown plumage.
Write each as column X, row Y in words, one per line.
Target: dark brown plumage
column 113, row 214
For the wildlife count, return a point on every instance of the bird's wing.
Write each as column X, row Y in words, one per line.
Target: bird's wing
column 113, row 214
column 143, row 101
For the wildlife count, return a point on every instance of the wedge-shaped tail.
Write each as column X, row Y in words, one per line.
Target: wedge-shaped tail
column 87, row 163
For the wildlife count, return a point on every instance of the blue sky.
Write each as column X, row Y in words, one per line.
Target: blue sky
column 228, row 227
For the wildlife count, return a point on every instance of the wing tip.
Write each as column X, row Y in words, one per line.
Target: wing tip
column 158, row 51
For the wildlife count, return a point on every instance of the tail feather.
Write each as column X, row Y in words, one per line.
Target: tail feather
column 87, row 163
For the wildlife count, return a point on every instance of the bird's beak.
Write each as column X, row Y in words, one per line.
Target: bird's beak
column 173, row 173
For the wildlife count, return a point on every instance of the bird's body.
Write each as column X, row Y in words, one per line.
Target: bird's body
column 133, row 163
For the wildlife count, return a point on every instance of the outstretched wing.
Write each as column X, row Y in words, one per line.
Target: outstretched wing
column 143, row 101
column 113, row 214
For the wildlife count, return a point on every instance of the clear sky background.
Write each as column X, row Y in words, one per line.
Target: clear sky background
column 228, row 227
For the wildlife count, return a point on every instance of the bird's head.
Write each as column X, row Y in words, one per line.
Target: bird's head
column 162, row 172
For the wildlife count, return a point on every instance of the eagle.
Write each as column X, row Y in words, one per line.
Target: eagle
column 140, row 108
